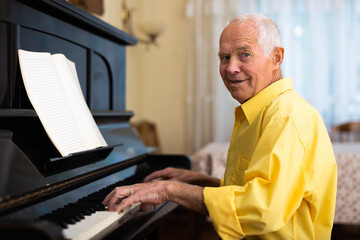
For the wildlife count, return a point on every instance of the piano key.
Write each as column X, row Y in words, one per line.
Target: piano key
column 98, row 223
column 74, row 210
column 72, row 213
column 64, row 215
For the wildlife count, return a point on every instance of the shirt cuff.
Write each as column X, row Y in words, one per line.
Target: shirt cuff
column 220, row 203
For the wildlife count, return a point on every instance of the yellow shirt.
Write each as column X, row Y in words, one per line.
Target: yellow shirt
column 280, row 178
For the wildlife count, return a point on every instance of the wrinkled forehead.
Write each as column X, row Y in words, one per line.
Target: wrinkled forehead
column 238, row 31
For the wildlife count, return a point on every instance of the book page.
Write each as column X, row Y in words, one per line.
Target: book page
column 55, row 107
column 90, row 133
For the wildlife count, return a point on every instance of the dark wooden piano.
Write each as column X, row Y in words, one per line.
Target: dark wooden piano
column 39, row 197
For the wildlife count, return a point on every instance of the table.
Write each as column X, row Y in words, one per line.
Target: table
column 211, row 159
column 349, row 131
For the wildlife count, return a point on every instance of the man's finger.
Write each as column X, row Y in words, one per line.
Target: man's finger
column 147, row 206
column 161, row 174
column 123, row 204
column 153, row 175
column 108, row 197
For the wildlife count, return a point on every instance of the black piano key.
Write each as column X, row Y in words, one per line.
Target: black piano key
column 78, row 211
column 82, row 210
column 96, row 199
column 70, row 216
column 94, row 205
column 77, row 216
column 87, row 205
column 63, row 215
column 61, row 220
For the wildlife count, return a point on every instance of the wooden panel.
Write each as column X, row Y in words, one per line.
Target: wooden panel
column 4, row 77
column 59, row 27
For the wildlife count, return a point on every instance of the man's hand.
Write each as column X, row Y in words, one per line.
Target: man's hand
column 183, row 175
column 169, row 173
column 157, row 192
column 149, row 194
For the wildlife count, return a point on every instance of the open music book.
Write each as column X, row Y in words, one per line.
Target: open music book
column 53, row 88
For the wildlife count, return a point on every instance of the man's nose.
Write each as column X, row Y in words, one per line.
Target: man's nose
column 233, row 66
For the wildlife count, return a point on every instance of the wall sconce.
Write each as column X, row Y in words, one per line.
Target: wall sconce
column 150, row 28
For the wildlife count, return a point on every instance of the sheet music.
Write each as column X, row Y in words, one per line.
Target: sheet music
column 53, row 88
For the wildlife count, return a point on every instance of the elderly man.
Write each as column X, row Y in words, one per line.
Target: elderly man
column 280, row 178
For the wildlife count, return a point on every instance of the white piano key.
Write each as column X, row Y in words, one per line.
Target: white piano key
column 96, row 225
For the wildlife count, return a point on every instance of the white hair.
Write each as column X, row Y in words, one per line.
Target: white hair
column 269, row 34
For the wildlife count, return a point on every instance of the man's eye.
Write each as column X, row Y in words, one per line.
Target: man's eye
column 245, row 55
column 224, row 58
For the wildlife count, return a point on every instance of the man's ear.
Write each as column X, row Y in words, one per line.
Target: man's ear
column 278, row 56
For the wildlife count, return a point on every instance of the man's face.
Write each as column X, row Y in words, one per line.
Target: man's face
column 243, row 68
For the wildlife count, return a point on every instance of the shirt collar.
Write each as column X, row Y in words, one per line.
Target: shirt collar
column 251, row 108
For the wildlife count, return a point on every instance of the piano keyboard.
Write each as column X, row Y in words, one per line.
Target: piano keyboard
column 98, row 224
column 88, row 218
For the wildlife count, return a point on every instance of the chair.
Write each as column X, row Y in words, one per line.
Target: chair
column 346, row 132
column 148, row 134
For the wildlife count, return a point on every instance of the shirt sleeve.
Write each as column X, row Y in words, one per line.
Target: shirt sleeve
column 274, row 186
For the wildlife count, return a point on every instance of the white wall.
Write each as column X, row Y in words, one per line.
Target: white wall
column 156, row 76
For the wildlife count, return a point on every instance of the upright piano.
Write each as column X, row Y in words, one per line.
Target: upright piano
column 41, row 197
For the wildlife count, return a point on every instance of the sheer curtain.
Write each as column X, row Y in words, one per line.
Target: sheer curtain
column 322, row 45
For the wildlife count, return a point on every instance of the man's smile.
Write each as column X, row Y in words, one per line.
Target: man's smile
column 236, row 82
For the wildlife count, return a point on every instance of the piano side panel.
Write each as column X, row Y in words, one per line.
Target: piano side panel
column 15, row 175
column 11, row 92
column 4, row 77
